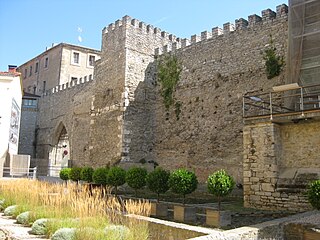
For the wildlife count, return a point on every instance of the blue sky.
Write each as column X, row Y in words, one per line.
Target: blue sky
column 27, row 27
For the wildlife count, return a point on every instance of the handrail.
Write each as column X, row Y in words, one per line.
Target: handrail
column 280, row 102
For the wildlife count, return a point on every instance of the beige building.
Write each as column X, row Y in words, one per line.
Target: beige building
column 60, row 64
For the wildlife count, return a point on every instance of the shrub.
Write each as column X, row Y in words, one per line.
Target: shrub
column 75, row 174
column 313, row 193
column 23, row 218
column 136, row 178
column 183, row 182
column 99, row 176
column 39, row 226
column 116, row 177
column 86, row 174
column 117, row 232
column 10, row 211
column 220, row 184
column 65, row 174
column 64, row 234
column 157, row 181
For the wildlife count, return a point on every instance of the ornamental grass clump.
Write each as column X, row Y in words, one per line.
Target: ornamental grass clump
column 183, row 182
column 220, row 184
column 136, row 178
column 73, row 206
column 158, row 181
column 313, row 193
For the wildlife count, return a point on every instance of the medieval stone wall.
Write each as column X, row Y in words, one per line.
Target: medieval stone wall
column 217, row 71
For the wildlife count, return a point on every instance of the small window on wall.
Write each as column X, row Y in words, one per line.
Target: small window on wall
column 91, row 60
column 37, row 67
column 90, row 77
column 30, row 73
column 46, row 62
column 75, row 58
column 25, row 73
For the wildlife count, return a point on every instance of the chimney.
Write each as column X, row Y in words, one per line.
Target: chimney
column 12, row 68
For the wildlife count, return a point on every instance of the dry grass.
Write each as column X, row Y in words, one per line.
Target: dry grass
column 92, row 209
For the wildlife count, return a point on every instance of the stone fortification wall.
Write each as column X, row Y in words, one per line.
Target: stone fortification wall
column 69, row 106
column 217, row 70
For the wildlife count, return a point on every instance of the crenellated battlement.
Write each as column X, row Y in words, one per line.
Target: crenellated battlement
column 69, row 85
column 240, row 24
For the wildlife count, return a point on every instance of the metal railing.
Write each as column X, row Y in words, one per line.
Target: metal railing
column 280, row 102
column 20, row 172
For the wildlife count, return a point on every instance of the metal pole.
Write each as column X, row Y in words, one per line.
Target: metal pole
column 302, row 105
column 270, row 96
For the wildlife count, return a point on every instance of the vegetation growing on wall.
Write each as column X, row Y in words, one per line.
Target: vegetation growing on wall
column 274, row 63
column 169, row 70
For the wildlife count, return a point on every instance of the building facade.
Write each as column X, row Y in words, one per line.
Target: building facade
column 61, row 64
column 10, row 97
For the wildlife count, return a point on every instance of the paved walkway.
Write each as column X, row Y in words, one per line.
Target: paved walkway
column 16, row 231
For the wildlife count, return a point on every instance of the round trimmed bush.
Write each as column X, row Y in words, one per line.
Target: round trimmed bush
column 99, row 176
column 75, row 173
column 116, row 177
column 313, row 193
column 86, row 174
column 64, row 234
column 39, row 226
column 183, row 182
column 117, row 232
column 136, row 178
column 65, row 174
column 10, row 211
column 157, row 181
column 23, row 218
column 220, row 184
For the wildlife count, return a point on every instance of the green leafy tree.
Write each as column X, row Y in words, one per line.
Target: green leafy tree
column 86, row 174
column 136, row 178
column 274, row 63
column 65, row 174
column 220, row 184
column 75, row 174
column 313, row 193
column 183, row 182
column 157, row 181
column 116, row 177
column 100, row 176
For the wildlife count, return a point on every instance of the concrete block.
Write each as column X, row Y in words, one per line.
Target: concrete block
column 184, row 213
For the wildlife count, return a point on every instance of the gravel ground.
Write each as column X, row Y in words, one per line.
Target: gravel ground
column 15, row 231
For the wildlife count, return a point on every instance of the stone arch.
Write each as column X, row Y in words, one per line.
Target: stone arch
column 59, row 154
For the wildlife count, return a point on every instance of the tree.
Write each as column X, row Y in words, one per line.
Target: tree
column 183, row 182
column 313, row 193
column 86, row 174
column 220, row 184
column 116, row 177
column 136, row 178
column 157, row 181
column 100, row 176
column 65, row 174
column 75, row 174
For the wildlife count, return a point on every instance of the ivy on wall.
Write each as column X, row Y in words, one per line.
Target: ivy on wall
column 273, row 62
column 169, row 69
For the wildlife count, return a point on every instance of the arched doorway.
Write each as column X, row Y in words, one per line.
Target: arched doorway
column 59, row 152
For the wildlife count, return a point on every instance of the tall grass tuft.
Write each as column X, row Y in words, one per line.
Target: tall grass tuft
column 74, row 206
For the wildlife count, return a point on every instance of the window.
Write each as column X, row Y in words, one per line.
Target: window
column 30, row 73
column 85, row 78
column 46, row 62
column 90, row 77
column 75, row 58
column 37, row 67
column 34, row 89
column 29, row 102
column 44, row 86
column 92, row 59
column 74, row 79
column 25, row 73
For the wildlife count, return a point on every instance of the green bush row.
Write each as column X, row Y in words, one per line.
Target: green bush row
column 159, row 181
